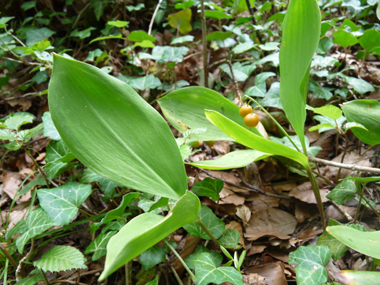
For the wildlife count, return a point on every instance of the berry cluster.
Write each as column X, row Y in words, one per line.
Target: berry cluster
column 250, row 119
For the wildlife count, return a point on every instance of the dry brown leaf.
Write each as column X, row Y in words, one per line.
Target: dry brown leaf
column 273, row 273
column 262, row 202
column 332, row 212
column 278, row 254
column 270, row 222
column 232, row 199
column 11, row 183
column 309, row 234
column 305, row 193
column 244, row 213
column 17, row 214
column 302, row 211
column 327, row 142
column 222, row 147
column 227, row 176
column 253, row 279
column 256, row 249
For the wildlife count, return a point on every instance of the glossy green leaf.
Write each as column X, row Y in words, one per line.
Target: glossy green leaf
column 370, row 40
column 230, row 239
column 61, row 258
column 221, row 36
column 186, row 108
column 309, row 262
column 181, row 21
column 58, row 151
column 146, row 230
column 352, row 277
column 344, row 38
column 106, row 185
column 330, row 111
column 116, row 213
column 243, row 136
column 142, row 83
column 300, row 37
column 352, row 125
column 113, row 131
column 207, row 272
column 218, row 258
column 360, row 85
column 118, row 23
column 83, row 33
column 7, row 135
column 363, row 242
column 37, row 222
column 337, row 248
column 18, row 119
column 153, row 282
column 218, row 15
column 138, row 36
column 365, row 112
column 49, row 128
column 215, row 225
column 181, row 40
column 208, row 187
column 345, row 190
column 99, row 245
column 62, row 203
column 37, row 35
column 364, row 180
column 152, row 257
column 235, row 159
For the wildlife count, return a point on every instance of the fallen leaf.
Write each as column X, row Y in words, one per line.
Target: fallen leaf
column 254, row 279
column 222, row 147
column 305, row 193
column 273, row 273
column 244, row 213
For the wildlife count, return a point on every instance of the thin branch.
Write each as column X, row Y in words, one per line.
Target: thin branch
column 20, row 264
column 8, row 256
column 252, row 12
column 352, row 167
column 204, row 40
column 235, row 83
column 153, row 17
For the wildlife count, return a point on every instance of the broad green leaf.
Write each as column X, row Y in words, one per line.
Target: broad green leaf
column 235, row 159
column 106, row 185
column 118, row 23
column 164, row 54
column 62, row 203
column 352, row 125
column 208, row 187
column 37, row 223
column 360, row 85
column 83, row 33
column 181, row 21
column 218, row 258
column 185, row 108
column 146, row 230
column 300, row 37
column 138, row 36
column 324, row 45
column 318, row 91
column 7, row 135
column 365, row 112
column 364, row 180
column 153, row 282
column 152, row 257
column 218, row 15
column 144, row 44
column 142, row 83
column 138, row 7
column 243, row 47
column 322, row 126
column 269, row 46
column 56, row 168
column 116, row 213
column 329, row 123
column 344, row 38
column 20, row 227
column 230, row 239
column 243, row 136
column 357, row 277
column 330, row 111
column 345, row 190
column 337, row 248
column 181, row 40
column 370, row 40
column 99, row 245
column 31, row 280
column 18, row 119
column 4, row 21
column 28, row 5
column 37, row 35
column 215, row 225
column 363, row 242
column 366, row 202
column 49, row 128
column 27, row 135
column 207, row 272
column 241, row 72
column 309, row 262
column 61, row 258
column 58, row 151
column 113, row 131
column 221, row 36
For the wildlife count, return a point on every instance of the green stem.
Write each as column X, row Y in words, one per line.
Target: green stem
column 203, row 226
column 274, row 120
column 180, row 259
column 317, row 195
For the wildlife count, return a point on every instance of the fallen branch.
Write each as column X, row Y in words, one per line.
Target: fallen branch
column 352, row 167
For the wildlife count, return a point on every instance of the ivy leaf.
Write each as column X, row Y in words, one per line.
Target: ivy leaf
column 360, row 85
column 181, row 40
column 206, row 271
column 345, row 190
column 106, row 185
column 82, row 34
column 118, row 23
column 212, row 222
column 37, row 222
column 152, row 257
column 218, row 258
column 221, row 36
column 139, row 36
column 116, row 213
column 181, row 21
column 208, row 187
column 38, row 35
column 62, row 203
column 18, row 119
column 230, row 239
column 336, row 247
column 309, row 262
column 31, row 280
column 218, row 15
column 60, row 258
column 58, row 151
column 142, row 83
column 99, row 245
column 49, row 128
column 20, row 227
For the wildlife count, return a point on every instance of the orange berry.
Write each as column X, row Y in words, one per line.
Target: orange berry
column 251, row 120
column 245, row 110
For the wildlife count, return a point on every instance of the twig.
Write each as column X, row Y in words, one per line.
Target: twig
column 352, row 167
column 153, row 17
column 235, row 83
column 251, row 188
column 252, row 12
column 204, row 40
column 19, row 267
column 38, row 167
column 128, row 276
column 347, row 215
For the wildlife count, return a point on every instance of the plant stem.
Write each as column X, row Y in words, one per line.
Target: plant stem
column 153, row 17
column 8, row 256
column 204, row 40
column 38, row 167
column 317, row 195
column 180, row 259
column 203, row 226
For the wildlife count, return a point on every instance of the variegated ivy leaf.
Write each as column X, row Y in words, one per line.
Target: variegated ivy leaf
column 99, row 245
column 61, row 203
column 230, row 239
column 60, row 258
column 152, row 257
column 107, row 186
